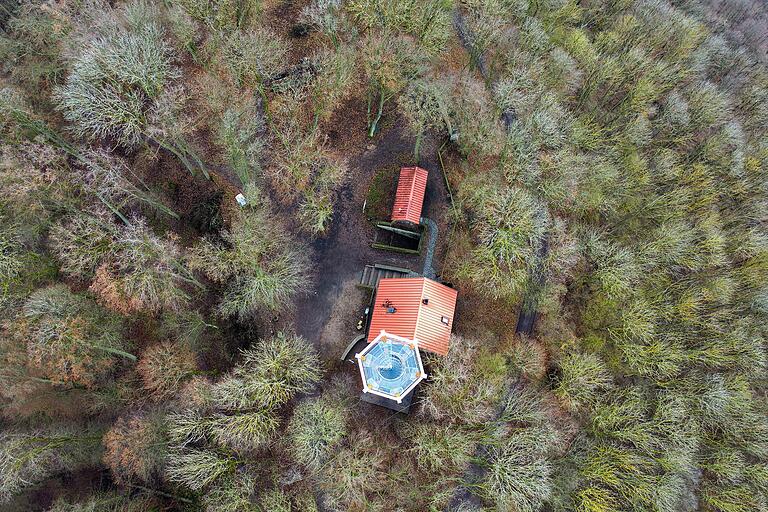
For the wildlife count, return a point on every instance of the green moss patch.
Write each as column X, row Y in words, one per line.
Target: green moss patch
column 381, row 193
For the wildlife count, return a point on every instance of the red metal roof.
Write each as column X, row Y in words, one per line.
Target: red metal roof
column 412, row 318
column 409, row 197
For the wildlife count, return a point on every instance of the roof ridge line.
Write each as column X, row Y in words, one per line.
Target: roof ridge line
column 421, row 304
column 410, row 192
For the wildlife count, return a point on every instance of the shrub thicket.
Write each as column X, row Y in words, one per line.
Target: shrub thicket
column 261, row 264
column 237, row 416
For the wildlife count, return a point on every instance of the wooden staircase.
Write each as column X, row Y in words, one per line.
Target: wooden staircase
column 370, row 275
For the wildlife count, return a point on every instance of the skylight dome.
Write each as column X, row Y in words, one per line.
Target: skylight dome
column 390, row 366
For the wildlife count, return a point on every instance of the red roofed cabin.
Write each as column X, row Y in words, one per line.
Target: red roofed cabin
column 419, row 309
column 409, row 197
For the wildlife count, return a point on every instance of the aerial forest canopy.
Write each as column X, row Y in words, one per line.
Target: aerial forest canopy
column 188, row 192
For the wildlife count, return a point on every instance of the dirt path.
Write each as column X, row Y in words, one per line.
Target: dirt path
column 346, row 249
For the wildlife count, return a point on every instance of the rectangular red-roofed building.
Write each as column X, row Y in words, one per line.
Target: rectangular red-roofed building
column 409, row 197
column 419, row 309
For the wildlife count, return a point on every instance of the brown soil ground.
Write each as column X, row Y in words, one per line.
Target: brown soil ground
column 71, row 485
column 282, row 16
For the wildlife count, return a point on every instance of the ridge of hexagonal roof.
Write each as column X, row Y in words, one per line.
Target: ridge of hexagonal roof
column 390, row 366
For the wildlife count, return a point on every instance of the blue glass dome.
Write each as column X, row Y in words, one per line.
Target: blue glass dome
column 390, row 366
